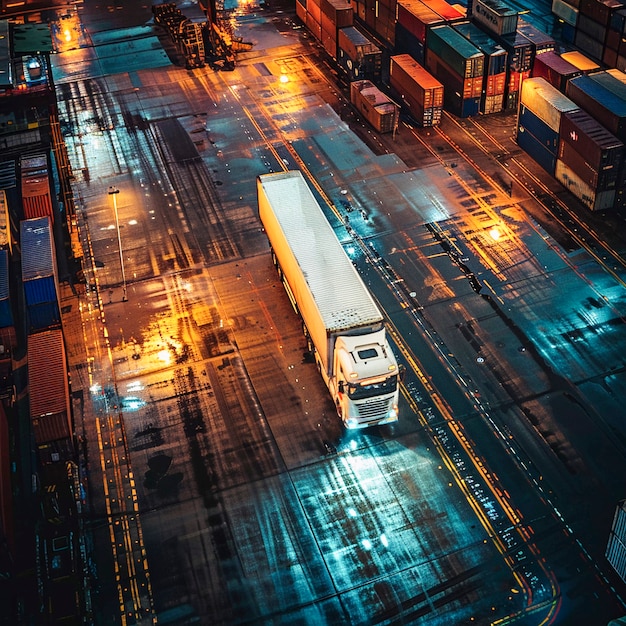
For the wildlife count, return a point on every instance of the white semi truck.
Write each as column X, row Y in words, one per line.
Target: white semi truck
column 344, row 328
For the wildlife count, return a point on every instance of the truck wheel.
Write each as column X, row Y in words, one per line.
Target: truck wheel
column 339, row 411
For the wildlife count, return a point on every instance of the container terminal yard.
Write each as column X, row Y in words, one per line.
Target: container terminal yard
column 313, row 312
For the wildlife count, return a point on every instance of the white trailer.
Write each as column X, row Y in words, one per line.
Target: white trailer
column 344, row 327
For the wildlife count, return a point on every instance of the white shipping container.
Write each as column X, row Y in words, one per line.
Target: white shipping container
column 546, row 101
column 593, row 200
column 495, row 16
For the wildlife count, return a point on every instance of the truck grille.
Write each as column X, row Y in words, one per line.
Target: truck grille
column 375, row 410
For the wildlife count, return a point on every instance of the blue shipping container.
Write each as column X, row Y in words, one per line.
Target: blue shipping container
column 533, row 148
column 43, row 316
column 547, row 137
column 407, row 43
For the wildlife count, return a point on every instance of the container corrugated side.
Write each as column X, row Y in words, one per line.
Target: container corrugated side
column 546, row 136
column 602, row 104
column 588, row 44
column 48, row 385
column 546, row 101
column 601, row 148
column 599, row 180
column 411, row 79
column 456, row 51
column 593, row 200
column 535, row 150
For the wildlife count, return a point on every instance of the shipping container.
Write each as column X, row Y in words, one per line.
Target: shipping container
column 49, row 398
column 590, row 27
column 541, row 42
column 496, row 57
column 592, row 199
column 539, row 153
column 520, row 51
column 555, row 69
column 497, row 17
column 598, row 180
column 565, row 12
column 461, row 96
column 599, row 10
column 375, row 106
column 39, row 273
column 546, row 136
column 546, row 101
column 338, row 12
column 35, row 186
column 601, row 103
column 601, row 149
column 417, row 90
column 358, row 55
column 408, row 43
column 611, row 82
column 588, row 44
column 513, row 90
column 416, row 18
column 617, row 74
column 459, row 54
column 579, row 60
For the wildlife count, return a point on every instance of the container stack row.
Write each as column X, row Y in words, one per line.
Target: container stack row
column 596, row 27
column 563, row 133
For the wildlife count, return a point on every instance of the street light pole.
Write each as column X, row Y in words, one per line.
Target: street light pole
column 113, row 191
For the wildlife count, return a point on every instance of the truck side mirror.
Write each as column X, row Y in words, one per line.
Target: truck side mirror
column 340, row 386
column 401, row 372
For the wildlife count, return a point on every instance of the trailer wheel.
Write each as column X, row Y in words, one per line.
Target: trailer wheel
column 338, row 407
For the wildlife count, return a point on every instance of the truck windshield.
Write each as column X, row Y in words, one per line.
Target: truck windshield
column 358, row 392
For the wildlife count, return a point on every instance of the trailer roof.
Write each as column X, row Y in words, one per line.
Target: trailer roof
column 341, row 296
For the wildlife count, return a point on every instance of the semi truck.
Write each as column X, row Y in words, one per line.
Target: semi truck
column 343, row 326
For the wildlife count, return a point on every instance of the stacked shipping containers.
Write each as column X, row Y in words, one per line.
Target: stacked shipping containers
column 420, row 92
column 590, row 160
column 377, row 108
column 459, row 65
column 335, row 14
column 539, row 121
column 601, row 103
column 494, row 78
column 555, row 69
column 597, row 27
column 39, row 274
column 49, row 397
column 541, row 42
column 415, row 19
column 357, row 55
column 323, row 18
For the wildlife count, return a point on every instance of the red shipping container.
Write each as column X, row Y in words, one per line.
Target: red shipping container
column 556, row 70
column 417, row 18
